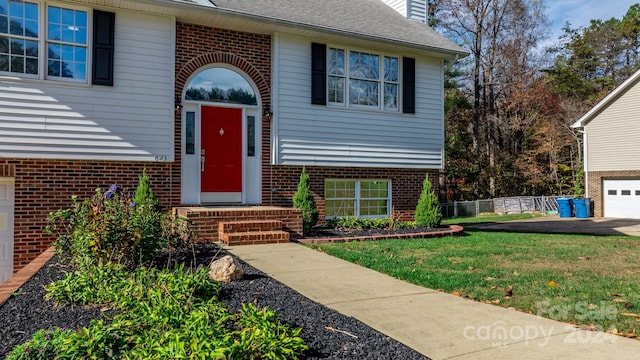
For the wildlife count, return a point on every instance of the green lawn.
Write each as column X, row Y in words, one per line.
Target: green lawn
column 487, row 218
column 581, row 279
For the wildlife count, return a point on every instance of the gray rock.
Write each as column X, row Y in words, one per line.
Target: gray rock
column 225, row 269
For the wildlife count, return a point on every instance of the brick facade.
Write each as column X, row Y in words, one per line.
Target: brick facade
column 595, row 180
column 42, row 186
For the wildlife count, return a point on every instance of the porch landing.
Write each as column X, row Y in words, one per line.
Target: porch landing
column 243, row 225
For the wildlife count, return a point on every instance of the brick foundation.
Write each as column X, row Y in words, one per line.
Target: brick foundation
column 595, row 180
column 43, row 186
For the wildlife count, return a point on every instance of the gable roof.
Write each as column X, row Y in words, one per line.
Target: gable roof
column 608, row 100
column 365, row 19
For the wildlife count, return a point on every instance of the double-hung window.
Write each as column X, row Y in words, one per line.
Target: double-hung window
column 44, row 41
column 356, row 197
column 19, row 37
column 362, row 79
column 66, row 43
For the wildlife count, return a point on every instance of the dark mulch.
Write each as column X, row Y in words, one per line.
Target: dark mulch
column 27, row 311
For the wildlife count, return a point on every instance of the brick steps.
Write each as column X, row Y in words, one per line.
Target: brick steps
column 252, row 232
column 256, row 237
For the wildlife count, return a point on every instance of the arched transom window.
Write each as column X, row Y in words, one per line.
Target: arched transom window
column 221, row 85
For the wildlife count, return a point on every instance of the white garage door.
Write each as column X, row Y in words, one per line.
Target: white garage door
column 6, row 228
column 622, row 198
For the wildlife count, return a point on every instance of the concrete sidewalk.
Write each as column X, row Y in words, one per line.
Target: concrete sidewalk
column 439, row 325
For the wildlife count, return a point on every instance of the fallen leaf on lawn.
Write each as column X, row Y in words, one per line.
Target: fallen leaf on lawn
column 489, row 278
column 584, row 258
column 619, row 300
column 629, row 335
column 515, row 273
column 613, row 331
column 470, row 268
column 552, row 284
column 456, row 293
column 495, row 302
column 628, row 305
column 567, row 274
column 419, row 261
column 508, row 291
column 630, row 314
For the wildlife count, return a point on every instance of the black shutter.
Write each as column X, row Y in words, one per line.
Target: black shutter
column 103, row 47
column 408, row 85
column 318, row 74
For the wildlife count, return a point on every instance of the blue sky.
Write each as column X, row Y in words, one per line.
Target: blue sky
column 580, row 12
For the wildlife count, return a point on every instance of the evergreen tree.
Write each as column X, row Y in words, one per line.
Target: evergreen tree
column 144, row 195
column 303, row 199
column 428, row 211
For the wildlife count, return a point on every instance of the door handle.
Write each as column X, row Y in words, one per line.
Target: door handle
column 201, row 163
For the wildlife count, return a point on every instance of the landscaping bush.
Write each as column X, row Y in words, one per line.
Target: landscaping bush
column 428, row 212
column 144, row 195
column 303, row 199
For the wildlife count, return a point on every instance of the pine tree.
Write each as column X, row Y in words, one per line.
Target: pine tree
column 144, row 195
column 428, row 211
column 303, row 199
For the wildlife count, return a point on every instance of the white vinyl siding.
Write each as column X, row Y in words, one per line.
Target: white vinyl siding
column 612, row 135
column 133, row 120
column 411, row 9
column 306, row 134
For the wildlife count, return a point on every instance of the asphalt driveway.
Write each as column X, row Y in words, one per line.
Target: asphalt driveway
column 557, row 225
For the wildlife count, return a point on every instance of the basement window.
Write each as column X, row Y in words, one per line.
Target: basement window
column 362, row 198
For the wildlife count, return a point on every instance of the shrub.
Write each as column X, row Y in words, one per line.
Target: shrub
column 303, row 199
column 111, row 227
column 144, row 194
column 428, row 211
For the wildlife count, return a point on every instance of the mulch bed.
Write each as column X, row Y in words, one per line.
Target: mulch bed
column 26, row 311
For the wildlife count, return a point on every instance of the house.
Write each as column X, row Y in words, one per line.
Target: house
column 221, row 101
column 611, row 152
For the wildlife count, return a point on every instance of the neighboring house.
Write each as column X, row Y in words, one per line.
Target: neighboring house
column 222, row 102
column 612, row 151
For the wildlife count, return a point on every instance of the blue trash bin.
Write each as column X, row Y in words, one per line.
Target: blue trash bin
column 564, row 207
column 581, row 208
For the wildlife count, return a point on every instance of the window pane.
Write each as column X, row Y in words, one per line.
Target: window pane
column 54, row 51
column 81, row 19
column 339, row 208
column 4, row 7
column 16, row 8
column 53, row 15
column 68, row 33
column 363, row 92
column 4, row 25
column 251, row 136
column 221, row 85
column 30, row 11
column 31, row 28
column 336, row 89
column 31, row 48
column 67, row 53
column 17, row 64
column 80, row 54
column 625, row 192
column 4, row 62
column 190, row 129
column 53, row 67
column 81, row 35
column 390, row 69
column 373, row 208
column 16, row 26
column 336, row 62
column 68, row 17
column 17, row 47
column 364, row 66
column 31, row 66
column 54, row 32
column 612, row 192
column 391, row 97
column 4, row 45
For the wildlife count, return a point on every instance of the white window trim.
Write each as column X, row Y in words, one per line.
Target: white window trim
column 43, row 58
column 357, row 198
column 381, row 82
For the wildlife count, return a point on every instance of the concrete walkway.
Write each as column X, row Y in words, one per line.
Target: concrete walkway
column 438, row 325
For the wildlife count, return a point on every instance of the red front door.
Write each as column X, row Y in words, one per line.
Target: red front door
column 221, row 150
